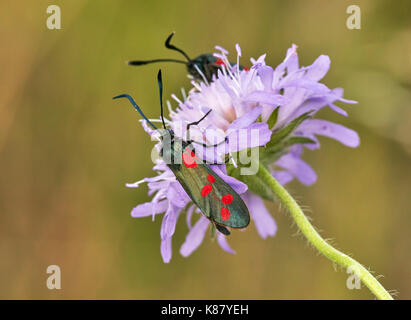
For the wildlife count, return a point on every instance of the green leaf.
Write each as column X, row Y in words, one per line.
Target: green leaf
column 270, row 156
column 272, row 120
column 297, row 140
column 273, row 153
column 284, row 132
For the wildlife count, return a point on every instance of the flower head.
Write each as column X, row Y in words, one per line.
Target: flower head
column 267, row 109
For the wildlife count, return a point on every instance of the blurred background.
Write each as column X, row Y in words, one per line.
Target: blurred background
column 67, row 150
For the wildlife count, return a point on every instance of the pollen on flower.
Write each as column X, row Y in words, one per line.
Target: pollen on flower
column 225, row 213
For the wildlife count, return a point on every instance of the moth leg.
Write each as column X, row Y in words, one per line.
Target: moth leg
column 195, row 123
column 205, row 145
column 226, row 160
column 213, row 231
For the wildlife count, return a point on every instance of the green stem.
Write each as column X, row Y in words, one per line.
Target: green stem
column 317, row 241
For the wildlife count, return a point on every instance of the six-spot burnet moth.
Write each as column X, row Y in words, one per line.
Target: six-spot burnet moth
column 215, row 198
column 204, row 66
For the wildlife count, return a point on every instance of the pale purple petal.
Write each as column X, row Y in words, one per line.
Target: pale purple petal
column 147, row 128
column 189, row 216
column 195, row 236
column 332, row 130
column 338, row 93
column 257, row 134
column 299, row 168
column 177, row 195
column 267, row 98
column 246, row 119
column 237, row 185
column 291, row 60
column 263, row 220
column 338, row 110
column 224, row 51
column 316, row 87
column 319, row 68
column 149, row 208
column 261, row 59
column 266, row 75
column 283, row 177
column 165, row 249
column 168, row 225
column 222, row 241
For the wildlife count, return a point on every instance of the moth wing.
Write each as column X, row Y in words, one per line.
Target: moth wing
column 215, row 198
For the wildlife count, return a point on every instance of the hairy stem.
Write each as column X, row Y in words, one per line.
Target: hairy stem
column 317, row 241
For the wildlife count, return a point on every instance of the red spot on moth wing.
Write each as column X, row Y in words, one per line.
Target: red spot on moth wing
column 189, row 160
column 227, row 199
column 225, row 213
column 211, row 178
column 220, row 62
column 206, row 190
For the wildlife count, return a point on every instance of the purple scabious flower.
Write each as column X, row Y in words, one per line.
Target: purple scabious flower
column 244, row 101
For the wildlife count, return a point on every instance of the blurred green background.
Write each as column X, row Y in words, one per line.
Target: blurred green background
column 66, row 150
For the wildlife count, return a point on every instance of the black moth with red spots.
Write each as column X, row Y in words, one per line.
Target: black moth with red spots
column 203, row 66
column 216, row 199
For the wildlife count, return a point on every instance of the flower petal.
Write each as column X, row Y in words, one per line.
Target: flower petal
column 149, row 208
column 224, row 51
column 237, row 185
column 319, row 68
column 283, row 177
column 291, row 60
column 168, row 225
column 195, row 237
column 338, row 110
column 266, row 75
column 263, row 220
column 222, row 241
column 299, row 168
column 189, row 214
column 177, row 195
column 315, row 87
column 335, row 131
column 257, row 134
column 165, row 249
column 246, row 119
column 269, row 98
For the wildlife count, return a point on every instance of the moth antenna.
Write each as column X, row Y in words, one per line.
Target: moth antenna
column 172, row 47
column 160, row 88
column 143, row 62
column 137, row 108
